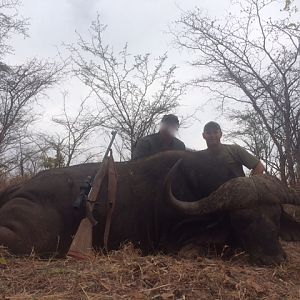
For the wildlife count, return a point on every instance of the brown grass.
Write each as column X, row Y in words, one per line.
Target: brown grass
column 8, row 182
column 125, row 274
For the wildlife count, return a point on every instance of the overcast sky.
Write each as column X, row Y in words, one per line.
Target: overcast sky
column 141, row 23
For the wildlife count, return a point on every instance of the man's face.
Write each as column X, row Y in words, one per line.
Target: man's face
column 169, row 129
column 212, row 136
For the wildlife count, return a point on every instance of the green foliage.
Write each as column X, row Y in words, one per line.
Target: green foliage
column 53, row 162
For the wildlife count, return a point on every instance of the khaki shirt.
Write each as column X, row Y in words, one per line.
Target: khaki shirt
column 236, row 157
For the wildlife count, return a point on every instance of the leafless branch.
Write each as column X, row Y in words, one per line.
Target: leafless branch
column 135, row 91
column 251, row 61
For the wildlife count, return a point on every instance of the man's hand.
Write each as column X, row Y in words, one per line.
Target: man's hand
column 259, row 169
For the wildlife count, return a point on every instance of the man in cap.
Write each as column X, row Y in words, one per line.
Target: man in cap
column 234, row 155
column 161, row 141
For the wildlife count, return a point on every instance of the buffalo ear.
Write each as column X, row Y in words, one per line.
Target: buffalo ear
column 289, row 228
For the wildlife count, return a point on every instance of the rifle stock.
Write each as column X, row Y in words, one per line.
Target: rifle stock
column 81, row 246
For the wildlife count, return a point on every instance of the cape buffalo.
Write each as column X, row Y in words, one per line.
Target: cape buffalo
column 39, row 216
column 252, row 213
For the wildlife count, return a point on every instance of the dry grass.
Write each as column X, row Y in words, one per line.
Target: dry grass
column 8, row 182
column 125, row 274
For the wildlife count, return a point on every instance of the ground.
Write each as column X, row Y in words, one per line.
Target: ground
column 125, row 274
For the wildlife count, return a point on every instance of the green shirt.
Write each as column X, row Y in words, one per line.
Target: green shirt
column 236, row 157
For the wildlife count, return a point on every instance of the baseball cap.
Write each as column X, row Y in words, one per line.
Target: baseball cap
column 212, row 126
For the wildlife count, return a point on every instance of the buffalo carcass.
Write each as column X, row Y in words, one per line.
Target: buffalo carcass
column 38, row 215
column 251, row 214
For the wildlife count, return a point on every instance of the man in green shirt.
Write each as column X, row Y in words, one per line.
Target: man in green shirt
column 234, row 155
column 161, row 141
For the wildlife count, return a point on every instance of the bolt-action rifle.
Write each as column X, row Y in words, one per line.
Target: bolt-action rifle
column 81, row 246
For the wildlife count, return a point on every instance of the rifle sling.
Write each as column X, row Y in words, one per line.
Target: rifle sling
column 111, row 198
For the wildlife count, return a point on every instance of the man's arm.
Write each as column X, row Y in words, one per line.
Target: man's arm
column 141, row 149
column 259, row 169
column 250, row 161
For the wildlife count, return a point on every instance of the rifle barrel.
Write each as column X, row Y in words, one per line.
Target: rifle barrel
column 113, row 133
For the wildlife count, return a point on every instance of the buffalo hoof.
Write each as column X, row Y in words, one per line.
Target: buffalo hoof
column 267, row 260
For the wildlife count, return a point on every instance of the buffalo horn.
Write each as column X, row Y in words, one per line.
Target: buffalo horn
column 190, row 208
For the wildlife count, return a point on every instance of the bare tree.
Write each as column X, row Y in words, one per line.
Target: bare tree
column 51, row 150
column 77, row 131
column 19, row 91
column 251, row 131
column 10, row 23
column 28, row 159
column 134, row 90
column 72, row 140
column 252, row 61
column 20, row 88
column 288, row 5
